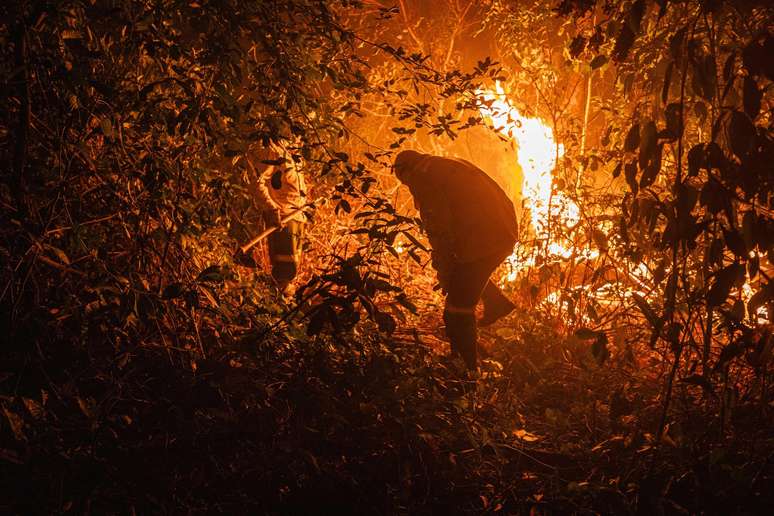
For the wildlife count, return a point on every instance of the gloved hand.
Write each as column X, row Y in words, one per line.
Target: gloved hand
column 272, row 217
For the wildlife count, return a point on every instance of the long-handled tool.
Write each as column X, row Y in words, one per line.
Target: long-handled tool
column 268, row 231
column 287, row 218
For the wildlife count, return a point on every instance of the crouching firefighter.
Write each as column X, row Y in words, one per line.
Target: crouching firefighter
column 280, row 195
column 471, row 225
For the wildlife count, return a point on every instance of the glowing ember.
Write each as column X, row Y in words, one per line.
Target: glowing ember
column 761, row 315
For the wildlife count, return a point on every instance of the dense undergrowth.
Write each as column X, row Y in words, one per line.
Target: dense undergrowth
column 143, row 371
column 291, row 424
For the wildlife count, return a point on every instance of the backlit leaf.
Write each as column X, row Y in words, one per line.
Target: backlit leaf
column 213, row 273
column 586, row 333
column 599, row 349
column 632, row 140
column 667, row 82
column 623, row 43
column 172, row 291
column 598, row 61
column 741, row 133
column 752, row 97
column 724, row 281
column 674, row 119
column 695, row 159
column 735, row 242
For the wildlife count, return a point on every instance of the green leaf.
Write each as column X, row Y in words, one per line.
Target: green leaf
column 316, row 322
column 737, row 310
column 213, row 273
column 598, row 61
column 753, row 267
column 385, row 321
column 365, row 187
column 709, row 79
column 752, row 97
column 634, row 18
column 728, row 67
column 649, row 155
column 577, row 45
column 414, row 256
column 276, row 180
column 704, row 77
column 414, row 241
column 586, row 333
column 617, row 169
column 632, row 140
column 599, row 349
column 725, row 280
column 623, row 43
column 674, row 119
column 756, row 59
column 648, row 138
column 686, row 200
column 506, row 332
column 343, row 205
column 630, row 173
column 714, row 156
column 695, row 159
column 379, row 284
column 403, row 300
column 107, row 128
column 742, row 134
column 653, row 319
column 676, row 43
column 274, row 162
column 660, row 272
column 735, row 243
column 652, row 167
column 730, row 352
column 172, row 291
column 667, row 82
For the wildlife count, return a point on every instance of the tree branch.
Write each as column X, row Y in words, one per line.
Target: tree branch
column 408, row 26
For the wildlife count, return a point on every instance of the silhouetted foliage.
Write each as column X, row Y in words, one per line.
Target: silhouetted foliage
column 145, row 369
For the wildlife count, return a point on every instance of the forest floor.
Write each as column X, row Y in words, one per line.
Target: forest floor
column 366, row 423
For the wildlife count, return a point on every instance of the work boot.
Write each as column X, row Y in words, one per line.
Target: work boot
column 461, row 330
column 496, row 305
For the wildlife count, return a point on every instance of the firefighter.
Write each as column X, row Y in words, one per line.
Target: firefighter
column 471, row 225
column 280, row 193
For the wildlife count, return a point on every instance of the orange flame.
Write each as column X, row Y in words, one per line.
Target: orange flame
column 538, row 152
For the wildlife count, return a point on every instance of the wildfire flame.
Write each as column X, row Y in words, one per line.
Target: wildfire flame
column 538, row 153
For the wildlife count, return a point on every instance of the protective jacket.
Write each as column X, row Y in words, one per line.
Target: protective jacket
column 279, row 186
column 466, row 215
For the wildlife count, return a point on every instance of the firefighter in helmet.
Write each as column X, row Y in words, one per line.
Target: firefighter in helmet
column 280, row 195
column 471, row 225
